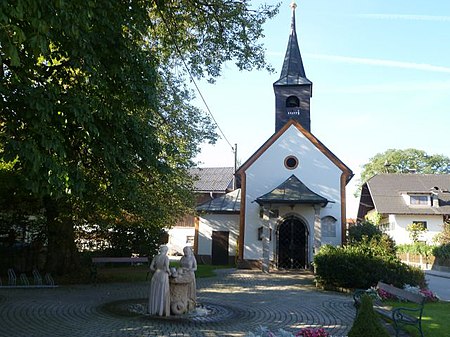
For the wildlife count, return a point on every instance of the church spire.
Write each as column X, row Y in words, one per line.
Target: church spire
column 292, row 71
column 293, row 90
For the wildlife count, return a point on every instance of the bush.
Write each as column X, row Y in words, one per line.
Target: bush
column 419, row 248
column 370, row 238
column 444, row 236
column 363, row 229
column 357, row 267
column 367, row 322
column 442, row 251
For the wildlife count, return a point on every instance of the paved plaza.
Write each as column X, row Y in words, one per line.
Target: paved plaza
column 241, row 301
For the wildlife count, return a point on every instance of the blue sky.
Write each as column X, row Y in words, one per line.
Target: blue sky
column 381, row 80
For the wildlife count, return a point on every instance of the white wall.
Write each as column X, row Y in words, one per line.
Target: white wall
column 217, row 222
column 398, row 223
column 315, row 170
column 178, row 237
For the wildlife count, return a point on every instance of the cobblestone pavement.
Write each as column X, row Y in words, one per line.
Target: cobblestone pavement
column 242, row 300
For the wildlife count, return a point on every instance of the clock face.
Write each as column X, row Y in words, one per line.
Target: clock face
column 293, row 111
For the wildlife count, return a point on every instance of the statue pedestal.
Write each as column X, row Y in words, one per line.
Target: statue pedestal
column 179, row 301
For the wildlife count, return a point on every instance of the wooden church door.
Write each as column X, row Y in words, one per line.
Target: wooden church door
column 292, row 244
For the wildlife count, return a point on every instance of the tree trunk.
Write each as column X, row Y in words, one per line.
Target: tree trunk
column 62, row 254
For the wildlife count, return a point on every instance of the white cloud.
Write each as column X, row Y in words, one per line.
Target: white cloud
column 392, row 87
column 406, row 17
column 381, row 62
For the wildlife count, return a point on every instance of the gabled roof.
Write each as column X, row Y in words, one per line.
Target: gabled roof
column 228, row 203
column 309, row 136
column 292, row 192
column 384, row 193
column 213, row 179
column 293, row 72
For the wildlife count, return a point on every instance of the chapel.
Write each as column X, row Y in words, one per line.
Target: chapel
column 292, row 189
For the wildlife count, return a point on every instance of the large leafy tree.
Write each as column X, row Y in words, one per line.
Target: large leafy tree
column 95, row 120
column 404, row 161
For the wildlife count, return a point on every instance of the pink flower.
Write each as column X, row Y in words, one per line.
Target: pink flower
column 310, row 332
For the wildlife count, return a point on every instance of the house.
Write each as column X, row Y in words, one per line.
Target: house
column 398, row 200
column 292, row 196
column 217, row 229
column 210, row 183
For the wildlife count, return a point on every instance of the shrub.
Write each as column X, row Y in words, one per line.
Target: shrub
column 444, row 236
column 442, row 251
column 367, row 322
column 363, row 229
column 357, row 267
column 420, row 248
column 370, row 238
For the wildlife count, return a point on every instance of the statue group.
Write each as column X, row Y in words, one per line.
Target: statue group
column 172, row 291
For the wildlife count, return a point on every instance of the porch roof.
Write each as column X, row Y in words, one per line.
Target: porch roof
column 291, row 192
column 228, row 203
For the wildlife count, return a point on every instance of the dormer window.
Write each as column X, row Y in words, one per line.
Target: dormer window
column 419, row 200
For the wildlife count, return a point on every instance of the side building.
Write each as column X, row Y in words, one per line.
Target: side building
column 210, row 183
column 399, row 200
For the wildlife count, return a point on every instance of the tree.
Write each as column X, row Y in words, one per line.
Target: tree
column 415, row 229
column 404, row 161
column 95, row 116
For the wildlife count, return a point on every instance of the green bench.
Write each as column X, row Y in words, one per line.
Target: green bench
column 400, row 316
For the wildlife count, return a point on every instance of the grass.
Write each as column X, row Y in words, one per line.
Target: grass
column 435, row 318
column 127, row 273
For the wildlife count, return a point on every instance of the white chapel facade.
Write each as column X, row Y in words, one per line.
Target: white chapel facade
column 292, row 196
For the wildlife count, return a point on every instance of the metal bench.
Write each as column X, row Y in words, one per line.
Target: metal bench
column 114, row 260
column 400, row 316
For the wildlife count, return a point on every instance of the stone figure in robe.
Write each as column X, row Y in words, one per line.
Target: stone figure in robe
column 188, row 265
column 159, row 299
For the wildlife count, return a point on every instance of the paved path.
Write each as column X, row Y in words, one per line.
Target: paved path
column 244, row 300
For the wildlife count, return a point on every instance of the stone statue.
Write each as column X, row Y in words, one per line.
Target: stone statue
column 159, row 299
column 188, row 265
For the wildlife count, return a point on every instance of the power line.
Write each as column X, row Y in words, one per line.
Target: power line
column 193, row 79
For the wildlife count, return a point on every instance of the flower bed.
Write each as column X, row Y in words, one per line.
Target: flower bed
column 305, row 332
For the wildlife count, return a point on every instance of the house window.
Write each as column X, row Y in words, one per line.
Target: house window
column 418, row 200
column 423, row 223
column 291, row 162
column 328, row 227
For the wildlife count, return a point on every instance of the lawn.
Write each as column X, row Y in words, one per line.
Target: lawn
column 435, row 319
column 117, row 273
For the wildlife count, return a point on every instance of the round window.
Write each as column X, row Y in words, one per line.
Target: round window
column 291, row 162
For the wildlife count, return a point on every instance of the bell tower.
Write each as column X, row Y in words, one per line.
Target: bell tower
column 292, row 90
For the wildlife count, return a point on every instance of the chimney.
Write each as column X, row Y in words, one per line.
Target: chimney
column 435, row 200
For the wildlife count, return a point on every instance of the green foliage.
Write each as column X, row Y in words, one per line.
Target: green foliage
column 402, row 161
column 96, row 121
column 444, row 236
column 361, row 229
column 367, row 322
column 369, row 239
column 419, row 248
column 374, row 217
column 442, row 251
column 415, row 230
column 356, row 266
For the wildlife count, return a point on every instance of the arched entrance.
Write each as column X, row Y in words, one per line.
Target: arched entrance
column 292, row 244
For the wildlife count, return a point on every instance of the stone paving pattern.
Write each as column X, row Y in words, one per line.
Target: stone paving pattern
column 248, row 299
